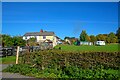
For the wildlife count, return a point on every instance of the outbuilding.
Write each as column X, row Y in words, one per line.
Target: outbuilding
column 100, row 43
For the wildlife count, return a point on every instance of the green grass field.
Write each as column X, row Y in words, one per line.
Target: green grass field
column 8, row 60
column 92, row 48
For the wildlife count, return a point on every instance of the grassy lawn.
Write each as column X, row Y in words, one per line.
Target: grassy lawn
column 106, row 48
column 8, row 60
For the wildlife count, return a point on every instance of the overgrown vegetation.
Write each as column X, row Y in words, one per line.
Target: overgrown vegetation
column 67, row 72
column 67, row 64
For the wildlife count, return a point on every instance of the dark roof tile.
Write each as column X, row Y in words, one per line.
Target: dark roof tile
column 39, row 34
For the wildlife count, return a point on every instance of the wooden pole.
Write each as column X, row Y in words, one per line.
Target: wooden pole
column 17, row 55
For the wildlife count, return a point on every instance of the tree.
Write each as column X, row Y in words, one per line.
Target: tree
column 118, row 34
column 83, row 36
column 88, row 38
column 101, row 37
column 32, row 41
column 112, row 38
column 6, row 40
column 18, row 41
column 93, row 38
column 108, row 39
column 66, row 38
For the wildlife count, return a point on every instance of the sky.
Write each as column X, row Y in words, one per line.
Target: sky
column 63, row 18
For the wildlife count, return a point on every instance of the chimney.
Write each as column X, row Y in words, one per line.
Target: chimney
column 41, row 30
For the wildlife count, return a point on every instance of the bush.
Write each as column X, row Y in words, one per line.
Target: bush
column 59, row 59
column 67, row 72
column 61, row 64
column 22, row 69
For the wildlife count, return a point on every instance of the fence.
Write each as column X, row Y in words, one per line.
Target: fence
column 6, row 51
column 9, row 51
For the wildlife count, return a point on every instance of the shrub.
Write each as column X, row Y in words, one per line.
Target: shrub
column 66, row 64
column 60, row 59
column 67, row 72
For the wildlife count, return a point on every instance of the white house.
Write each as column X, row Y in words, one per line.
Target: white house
column 100, row 42
column 41, row 36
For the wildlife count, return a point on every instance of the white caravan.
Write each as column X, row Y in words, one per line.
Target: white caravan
column 100, row 43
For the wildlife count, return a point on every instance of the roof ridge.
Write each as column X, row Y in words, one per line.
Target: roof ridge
column 38, row 33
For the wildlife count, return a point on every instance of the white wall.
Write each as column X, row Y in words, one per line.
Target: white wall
column 28, row 37
column 54, row 41
column 38, row 39
column 52, row 38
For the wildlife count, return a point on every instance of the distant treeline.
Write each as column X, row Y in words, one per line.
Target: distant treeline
column 7, row 40
column 108, row 38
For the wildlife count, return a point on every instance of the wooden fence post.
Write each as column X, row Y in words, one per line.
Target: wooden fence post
column 17, row 55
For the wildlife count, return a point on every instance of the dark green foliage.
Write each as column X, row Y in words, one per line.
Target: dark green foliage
column 18, row 41
column 112, row 38
column 83, row 36
column 8, row 41
column 22, row 69
column 61, row 64
column 118, row 33
column 93, row 38
column 67, row 72
column 101, row 37
column 108, row 38
column 59, row 58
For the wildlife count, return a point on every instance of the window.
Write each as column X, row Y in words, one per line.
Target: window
column 44, row 37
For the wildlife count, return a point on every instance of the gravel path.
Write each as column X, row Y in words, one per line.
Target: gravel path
column 13, row 75
column 8, row 75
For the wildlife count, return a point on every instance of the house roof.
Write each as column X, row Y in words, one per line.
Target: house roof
column 39, row 34
column 58, row 38
column 69, row 38
column 72, row 38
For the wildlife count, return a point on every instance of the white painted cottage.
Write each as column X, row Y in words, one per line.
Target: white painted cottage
column 41, row 36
